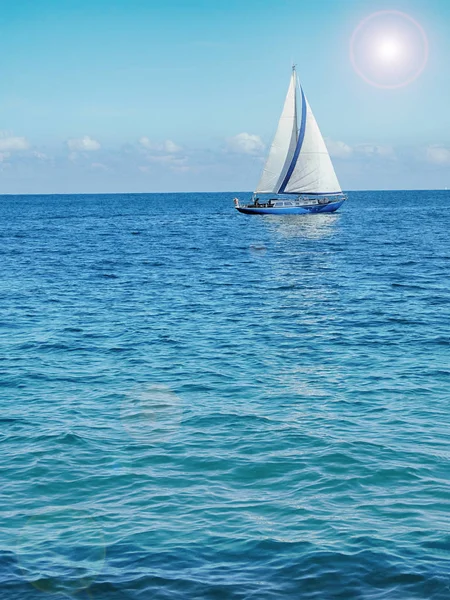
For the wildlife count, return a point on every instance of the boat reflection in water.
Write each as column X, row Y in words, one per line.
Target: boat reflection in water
column 311, row 227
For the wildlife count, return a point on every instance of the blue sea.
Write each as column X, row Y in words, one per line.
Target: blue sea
column 198, row 404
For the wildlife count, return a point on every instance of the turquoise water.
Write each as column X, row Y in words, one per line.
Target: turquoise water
column 196, row 404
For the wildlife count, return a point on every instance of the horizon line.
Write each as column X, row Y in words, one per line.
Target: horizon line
column 204, row 192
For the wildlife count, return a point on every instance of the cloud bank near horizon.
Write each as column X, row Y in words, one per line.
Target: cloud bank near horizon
column 87, row 164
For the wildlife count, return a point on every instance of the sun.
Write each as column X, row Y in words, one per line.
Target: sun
column 389, row 50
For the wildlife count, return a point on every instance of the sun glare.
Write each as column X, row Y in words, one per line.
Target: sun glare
column 389, row 50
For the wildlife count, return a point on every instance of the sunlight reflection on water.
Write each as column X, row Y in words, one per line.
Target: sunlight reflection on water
column 312, row 227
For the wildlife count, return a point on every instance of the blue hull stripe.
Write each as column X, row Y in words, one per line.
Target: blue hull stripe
column 301, row 137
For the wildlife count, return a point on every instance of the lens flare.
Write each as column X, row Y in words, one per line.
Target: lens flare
column 389, row 49
column 151, row 413
column 61, row 551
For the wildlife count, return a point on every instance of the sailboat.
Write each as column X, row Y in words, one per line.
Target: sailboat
column 298, row 176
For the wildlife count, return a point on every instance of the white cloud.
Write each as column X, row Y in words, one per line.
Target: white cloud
column 145, row 142
column 175, row 163
column 439, row 155
column 4, row 156
column 167, row 146
column 245, row 143
column 13, row 143
column 39, row 155
column 166, row 159
column 85, row 144
column 99, row 166
column 171, row 147
column 374, row 150
column 338, row 149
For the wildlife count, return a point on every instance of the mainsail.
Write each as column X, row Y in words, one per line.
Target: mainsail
column 283, row 145
column 298, row 161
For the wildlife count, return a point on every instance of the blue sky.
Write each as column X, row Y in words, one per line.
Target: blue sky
column 142, row 95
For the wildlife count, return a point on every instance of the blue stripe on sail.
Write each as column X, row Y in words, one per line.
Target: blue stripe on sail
column 301, row 137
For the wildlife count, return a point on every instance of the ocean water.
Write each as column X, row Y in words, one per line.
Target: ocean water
column 197, row 404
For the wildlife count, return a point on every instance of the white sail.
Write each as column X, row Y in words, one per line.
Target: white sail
column 283, row 145
column 311, row 170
